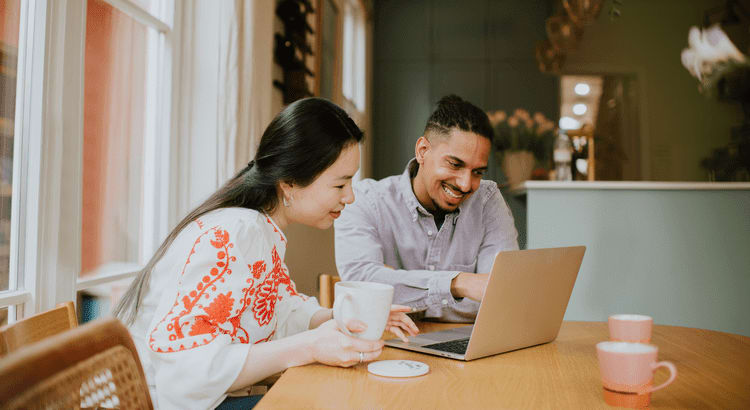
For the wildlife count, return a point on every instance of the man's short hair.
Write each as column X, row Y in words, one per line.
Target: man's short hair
column 454, row 112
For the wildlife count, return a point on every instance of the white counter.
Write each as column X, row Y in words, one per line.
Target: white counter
column 677, row 251
column 630, row 185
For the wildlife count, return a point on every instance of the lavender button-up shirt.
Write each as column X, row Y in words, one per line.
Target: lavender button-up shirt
column 386, row 225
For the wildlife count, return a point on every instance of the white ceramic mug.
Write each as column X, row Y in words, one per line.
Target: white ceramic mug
column 368, row 302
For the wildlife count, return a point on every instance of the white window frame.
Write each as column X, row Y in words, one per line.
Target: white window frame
column 45, row 259
column 356, row 58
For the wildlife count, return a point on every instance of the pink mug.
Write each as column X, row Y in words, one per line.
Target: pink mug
column 630, row 328
column 627, row 371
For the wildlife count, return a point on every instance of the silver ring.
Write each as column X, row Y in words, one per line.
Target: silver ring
column 361, row 357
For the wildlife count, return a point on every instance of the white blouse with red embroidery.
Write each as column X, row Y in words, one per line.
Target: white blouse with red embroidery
column 220, row 286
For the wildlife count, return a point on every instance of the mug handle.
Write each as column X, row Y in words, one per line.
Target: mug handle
column 337, row 306
column 672, row 374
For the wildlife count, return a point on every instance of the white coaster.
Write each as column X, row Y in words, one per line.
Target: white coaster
column 398, row 368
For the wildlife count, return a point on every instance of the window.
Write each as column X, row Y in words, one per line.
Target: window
column 9, row 37
column 354, row 69
column 120, row 148
column 341, row 54
column 354, row 72
column 113, row 131
column 86, row 158
column 107, row 153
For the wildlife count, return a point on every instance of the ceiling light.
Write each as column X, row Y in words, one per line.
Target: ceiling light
column 569, row 123
column 582, row 89
column 580, row 109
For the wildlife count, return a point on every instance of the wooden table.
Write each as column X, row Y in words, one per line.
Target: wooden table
column 713, row 372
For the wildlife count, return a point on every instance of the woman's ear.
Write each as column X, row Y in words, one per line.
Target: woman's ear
column 286, row 189
column 423, row 145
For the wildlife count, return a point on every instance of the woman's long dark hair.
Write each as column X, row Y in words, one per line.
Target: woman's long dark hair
column 300, row 143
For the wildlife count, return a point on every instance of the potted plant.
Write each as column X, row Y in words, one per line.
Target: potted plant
column 522, row 142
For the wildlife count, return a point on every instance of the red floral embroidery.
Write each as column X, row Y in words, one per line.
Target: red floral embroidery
column 267, row 338
column 224, row 311
column 217, row 311
column 281, row 236
column 284, row 279
column 201, row 326
column 221, row 238
column 267, row 293
column 220, row 308
column 257, row 268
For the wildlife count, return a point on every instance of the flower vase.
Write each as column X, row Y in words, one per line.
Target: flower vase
column 517, row 166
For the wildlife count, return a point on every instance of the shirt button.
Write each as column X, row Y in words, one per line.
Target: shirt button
column 431, row 267
column 429, row 233
column 445, row 302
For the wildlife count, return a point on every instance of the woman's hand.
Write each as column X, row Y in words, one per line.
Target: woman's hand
column 399, row 322
column 332, row 347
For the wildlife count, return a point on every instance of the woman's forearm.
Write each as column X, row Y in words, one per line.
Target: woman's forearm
column 325, row 344
column 319, row 317
column 268, row 358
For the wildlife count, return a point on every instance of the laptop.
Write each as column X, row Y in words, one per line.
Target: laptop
column 524, row 304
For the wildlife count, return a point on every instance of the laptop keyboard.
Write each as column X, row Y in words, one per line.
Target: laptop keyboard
column 454, row 346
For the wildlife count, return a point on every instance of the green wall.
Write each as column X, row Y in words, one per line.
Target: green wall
column 482, row 50
column 679, row 125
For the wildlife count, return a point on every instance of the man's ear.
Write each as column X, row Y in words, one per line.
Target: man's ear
column 423, row 145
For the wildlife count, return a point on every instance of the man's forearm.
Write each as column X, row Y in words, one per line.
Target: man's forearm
column 420, row 289
column 469, row 285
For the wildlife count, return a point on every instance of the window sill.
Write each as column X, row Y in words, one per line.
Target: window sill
column 108, row 273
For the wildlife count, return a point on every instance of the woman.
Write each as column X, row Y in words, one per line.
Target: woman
column 214, row 310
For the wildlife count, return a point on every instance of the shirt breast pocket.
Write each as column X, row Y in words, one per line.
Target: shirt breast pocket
column 469, row 267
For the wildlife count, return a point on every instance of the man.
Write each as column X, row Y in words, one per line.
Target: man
column 433, row 231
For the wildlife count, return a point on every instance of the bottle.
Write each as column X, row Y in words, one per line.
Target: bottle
column 562, row 155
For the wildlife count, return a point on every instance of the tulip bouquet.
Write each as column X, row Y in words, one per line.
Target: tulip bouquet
column 523, row 132
column 714, row 60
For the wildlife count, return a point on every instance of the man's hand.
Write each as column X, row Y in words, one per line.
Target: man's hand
column 469, row 285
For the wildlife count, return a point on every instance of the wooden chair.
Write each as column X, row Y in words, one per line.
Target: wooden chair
column 92, row 366
column 35, row 328
column 327, row 284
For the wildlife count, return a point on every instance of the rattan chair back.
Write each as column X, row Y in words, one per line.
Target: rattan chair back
column 92, row 366
column 35, row 328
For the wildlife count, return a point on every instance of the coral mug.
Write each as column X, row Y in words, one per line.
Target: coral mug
column 630, row 328
column 627, row 371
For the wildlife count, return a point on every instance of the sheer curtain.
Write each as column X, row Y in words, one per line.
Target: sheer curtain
column 244, row 99
column 225, row 85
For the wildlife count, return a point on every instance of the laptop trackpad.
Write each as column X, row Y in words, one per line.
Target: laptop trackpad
column 462, row 332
